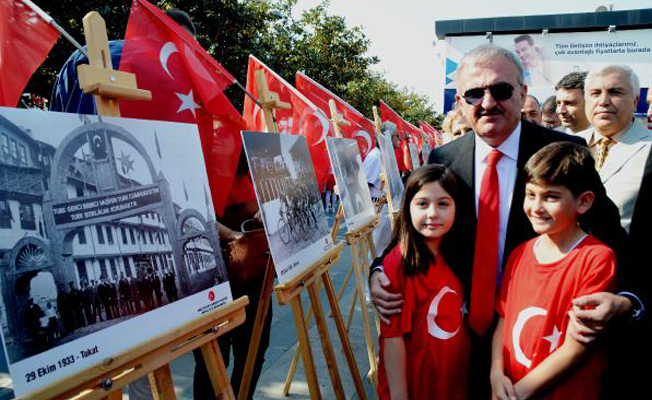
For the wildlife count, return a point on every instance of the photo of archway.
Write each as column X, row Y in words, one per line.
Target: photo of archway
column 289, row 200
column 351, row 181
column 108, row 237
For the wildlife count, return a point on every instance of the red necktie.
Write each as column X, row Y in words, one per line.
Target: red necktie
column 485, row 257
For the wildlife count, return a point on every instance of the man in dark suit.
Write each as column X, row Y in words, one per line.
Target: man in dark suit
column 490, row 95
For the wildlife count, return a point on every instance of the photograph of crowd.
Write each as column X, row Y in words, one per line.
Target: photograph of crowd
column 288, row 196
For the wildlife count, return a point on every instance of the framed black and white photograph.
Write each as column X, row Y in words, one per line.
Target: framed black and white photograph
column 289, row 200
column 414, row 156
column 351, row 181
column 425, row 152
column 390, row 169
column 108, row 238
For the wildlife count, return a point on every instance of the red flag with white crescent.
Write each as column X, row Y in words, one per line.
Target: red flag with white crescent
column 360, row 129
column 304, row 118
column 187, row 86
column 25, row 41
column 388, row 114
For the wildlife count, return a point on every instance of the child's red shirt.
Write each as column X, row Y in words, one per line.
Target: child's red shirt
column 435, row 331
column 535, row 299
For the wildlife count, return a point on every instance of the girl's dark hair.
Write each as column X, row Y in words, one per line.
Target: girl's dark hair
column 416, row 255
column 569, row 165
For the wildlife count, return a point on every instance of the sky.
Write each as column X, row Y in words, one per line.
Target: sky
column 402, row 32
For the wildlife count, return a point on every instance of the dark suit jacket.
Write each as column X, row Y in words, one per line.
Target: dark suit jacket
column 639, row 275
column 458, row 155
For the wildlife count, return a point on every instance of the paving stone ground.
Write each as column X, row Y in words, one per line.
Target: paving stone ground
column 281, row 350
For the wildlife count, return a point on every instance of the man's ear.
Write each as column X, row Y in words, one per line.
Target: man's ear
column 585, row 201
column 523, row 93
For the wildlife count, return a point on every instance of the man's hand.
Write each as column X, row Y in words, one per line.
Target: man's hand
column 385, row 302
column 593, row 312
column 501, row 386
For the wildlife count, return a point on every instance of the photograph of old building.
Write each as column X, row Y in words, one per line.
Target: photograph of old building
column 95, row 228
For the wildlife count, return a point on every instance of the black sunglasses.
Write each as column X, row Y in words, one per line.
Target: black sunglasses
column 499, row 91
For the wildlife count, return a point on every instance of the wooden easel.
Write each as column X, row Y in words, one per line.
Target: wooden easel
column 105, row 380
column 359, row 259
column 290, row 292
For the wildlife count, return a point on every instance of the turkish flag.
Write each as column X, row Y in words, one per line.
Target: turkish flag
column 187, row 86
column 360, row 129
column 387, row 114
column 425, row 128
column 304, row 118
column 435, row 133
column 25, row 41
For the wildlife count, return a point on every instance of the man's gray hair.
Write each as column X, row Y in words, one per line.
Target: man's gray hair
column 485, row 53
column 610, row 68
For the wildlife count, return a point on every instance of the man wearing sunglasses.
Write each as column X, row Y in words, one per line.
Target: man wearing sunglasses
column 490, row 95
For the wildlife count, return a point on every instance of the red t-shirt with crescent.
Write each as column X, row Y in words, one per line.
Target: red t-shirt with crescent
column 435, row 331
column 535, row 299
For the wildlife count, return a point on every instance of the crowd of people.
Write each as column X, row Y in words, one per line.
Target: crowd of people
column 515, row 268
column 100, row 300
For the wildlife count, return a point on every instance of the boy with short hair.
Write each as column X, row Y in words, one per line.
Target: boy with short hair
column 532, row 349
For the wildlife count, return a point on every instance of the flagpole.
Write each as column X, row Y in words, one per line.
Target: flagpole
column 251, row 96
column 56, row 26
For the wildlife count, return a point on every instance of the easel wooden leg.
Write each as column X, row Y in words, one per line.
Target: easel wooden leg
column 354, row 301
column 329, row 355
column 254, row 342
column 295, row 360
column 291, row 371
column 363, row 305
column 344, row 337
column 162, row 384
column 306, row 351
column 216, row 370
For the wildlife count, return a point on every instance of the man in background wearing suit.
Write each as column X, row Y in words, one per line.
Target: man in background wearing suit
column 491, row 93
column 621, row 147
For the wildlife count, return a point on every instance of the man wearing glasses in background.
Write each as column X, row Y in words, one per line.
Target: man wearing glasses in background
column 489, row 167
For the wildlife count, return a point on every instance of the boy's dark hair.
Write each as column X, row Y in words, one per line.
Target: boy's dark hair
column 416, row 255
column 571, row 165
column 550, row 105
column 182, row 18
column 574, row 80
column 563, row 164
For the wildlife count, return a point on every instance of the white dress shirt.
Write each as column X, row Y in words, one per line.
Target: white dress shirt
column 506, row 168
column 371, row 167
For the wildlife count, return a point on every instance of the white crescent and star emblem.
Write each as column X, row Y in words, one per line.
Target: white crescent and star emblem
column 521, row 320
column 187, row 103
column 433, row 329
column 324, row 126
column 366, row 137
column 187, row 100
column 166, row 51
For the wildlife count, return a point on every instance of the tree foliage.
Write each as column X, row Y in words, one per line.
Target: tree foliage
column 321, row 45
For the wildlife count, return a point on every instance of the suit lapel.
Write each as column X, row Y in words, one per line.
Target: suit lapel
column 629, row 144
column 463, row 164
